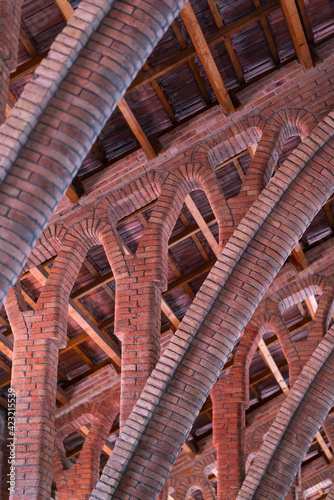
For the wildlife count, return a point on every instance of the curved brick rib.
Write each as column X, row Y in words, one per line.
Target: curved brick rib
column 179, row 385
column 294, row 428
column 61, row 111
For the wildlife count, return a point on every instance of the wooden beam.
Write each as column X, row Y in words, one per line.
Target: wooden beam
column 84, row 431
column 296, row 30
column 268, row 35
column 305, row 21
column 160, row 94
column 228, row 42
column 202, row 224
column 75, row 190
column 166, row 309
column 65, row 9
column 6, row 346
column 206, row 58
column 136, row 129
column 191, row 62
column 171, row 63
column 25, row 39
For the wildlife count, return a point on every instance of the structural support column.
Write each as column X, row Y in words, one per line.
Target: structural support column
column 229, row 424
column 138, row 323
column 38, row 336
column 77, row 483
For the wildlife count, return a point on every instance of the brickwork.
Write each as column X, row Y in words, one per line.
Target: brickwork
column 10, row 15
column 99, row 412
column 61, row 111
column 208, row 310
column 51, row 130
column 38, row 336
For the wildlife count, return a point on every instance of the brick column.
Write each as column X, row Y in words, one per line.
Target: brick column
column 138, row 323
column 229, row 424
column 77, row 483
column 38, row 336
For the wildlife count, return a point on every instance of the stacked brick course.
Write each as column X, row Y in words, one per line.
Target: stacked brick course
column 60, row 116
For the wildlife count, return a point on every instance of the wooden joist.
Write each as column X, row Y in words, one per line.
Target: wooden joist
column 202, row 224
column 228, row 42
column 206, row 58
column 268, row 35
column 136, row 129
column 296, row 30
column 191, row 62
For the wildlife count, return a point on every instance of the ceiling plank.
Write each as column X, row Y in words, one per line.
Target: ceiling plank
column 299, row 40
column 206, row 58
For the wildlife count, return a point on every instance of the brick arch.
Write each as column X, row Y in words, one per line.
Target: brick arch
column 280, row 126
column 177, row 185
column 50, row 114
column 298, row 353
column 133, row 196
column 79, row 480
column 202, row 462
column 184, row 489
column 215, row 320
column 321, row 476
column 236, row 139
column 47, row 245
column 257, row 438
column 289, row 438
column 299, row 290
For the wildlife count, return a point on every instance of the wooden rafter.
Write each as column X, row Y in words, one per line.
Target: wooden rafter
column 268, row 35
column 296, row 30
column 186, row 54
column 228, row 42
column 211, row 41
column 160, row 94
column 191, row 62
column 136, row 129
column 206, row 58
column 202, row 224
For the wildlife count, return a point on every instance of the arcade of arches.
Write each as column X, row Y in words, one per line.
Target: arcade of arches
column 166, row 249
